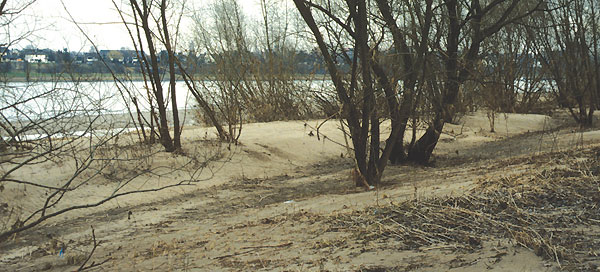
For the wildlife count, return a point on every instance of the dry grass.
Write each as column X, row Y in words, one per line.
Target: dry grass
column 538, row 211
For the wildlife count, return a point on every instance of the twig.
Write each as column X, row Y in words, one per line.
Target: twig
column 251, row 248
column 441, row 247
column 234, row 254
column 269, row 246
column 93, row 264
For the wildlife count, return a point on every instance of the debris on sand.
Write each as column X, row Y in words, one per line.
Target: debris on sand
column 554, row 213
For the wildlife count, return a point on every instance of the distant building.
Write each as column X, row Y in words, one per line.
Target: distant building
column 10, row 55
column 39, row 58
column 91, row 58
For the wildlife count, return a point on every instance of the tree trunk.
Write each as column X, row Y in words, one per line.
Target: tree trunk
column 398, row 153
column 359, row 140
column 370, row 120
column 176, row 125
column 223, row 136
column 165, row 137
column 421, row 151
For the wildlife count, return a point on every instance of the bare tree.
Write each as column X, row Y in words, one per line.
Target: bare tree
column 356, row 90
column 437, row 45
column 250, row 67
column 145, row 23
column 468, row 25
column 223, row 36
column 66, row 124
column 568, row 47
column 509, row 78
column 278, row 94
column 410, row 44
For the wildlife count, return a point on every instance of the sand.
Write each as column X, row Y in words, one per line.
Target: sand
column 267, row 203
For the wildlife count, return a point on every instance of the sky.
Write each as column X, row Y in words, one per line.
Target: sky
column 99, row 19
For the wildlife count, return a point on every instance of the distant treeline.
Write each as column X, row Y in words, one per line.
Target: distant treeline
column 33, row 62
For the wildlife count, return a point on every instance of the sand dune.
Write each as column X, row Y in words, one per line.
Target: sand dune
column 270, row 202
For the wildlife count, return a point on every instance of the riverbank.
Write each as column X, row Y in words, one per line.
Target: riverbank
column 21, row 77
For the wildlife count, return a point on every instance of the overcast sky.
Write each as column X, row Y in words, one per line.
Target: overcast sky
column 98, row 17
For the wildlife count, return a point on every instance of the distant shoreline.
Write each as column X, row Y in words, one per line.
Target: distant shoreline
column 108, row 77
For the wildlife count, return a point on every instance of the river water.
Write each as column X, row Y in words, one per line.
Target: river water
column 69, row 107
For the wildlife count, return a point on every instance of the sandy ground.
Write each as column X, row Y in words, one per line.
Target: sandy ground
column 271, row 203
